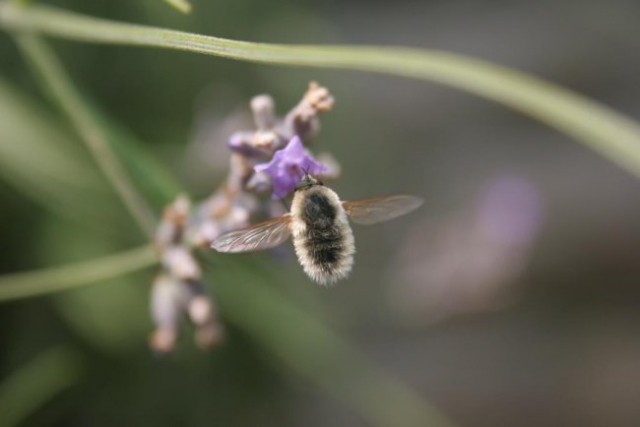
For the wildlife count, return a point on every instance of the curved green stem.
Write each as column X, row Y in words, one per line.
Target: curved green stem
column 57, row 83
column 55, row 279
column 606, row 131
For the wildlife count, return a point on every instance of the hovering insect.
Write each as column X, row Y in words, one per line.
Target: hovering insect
column 318, row 223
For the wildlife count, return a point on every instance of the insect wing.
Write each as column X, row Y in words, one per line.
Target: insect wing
column 379, row 209
column 264, row 235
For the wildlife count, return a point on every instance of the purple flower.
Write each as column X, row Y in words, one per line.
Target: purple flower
column 288, row 166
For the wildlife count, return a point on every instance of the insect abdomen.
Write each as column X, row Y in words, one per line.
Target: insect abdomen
column 324, row 242
column 325, row 246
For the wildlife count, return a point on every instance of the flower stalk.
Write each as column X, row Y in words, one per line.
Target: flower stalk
column 268, row 159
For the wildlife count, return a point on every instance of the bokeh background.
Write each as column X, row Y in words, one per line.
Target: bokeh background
column 510, row 298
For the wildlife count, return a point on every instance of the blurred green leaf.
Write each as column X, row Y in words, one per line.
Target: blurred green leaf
column 37, row 382
column 606, row 131
column 298, row 338
column 150, row 176
column 97, row 139
column 180, row 5
column 45, row 163
column 113, row 317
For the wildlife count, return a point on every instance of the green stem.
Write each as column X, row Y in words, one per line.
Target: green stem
column 55, row 279
column 606, row 131
column 58, row 84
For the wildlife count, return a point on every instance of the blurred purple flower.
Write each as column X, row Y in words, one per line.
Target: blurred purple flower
column 288, row 166
column 510, row 211
column 473, row 260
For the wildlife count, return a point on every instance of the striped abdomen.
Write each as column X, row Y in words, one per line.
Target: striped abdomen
column 322, row 237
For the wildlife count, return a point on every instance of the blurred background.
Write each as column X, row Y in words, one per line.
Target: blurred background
column 510, row 298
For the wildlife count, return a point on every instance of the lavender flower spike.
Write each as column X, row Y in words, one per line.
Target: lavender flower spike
column 288, row 166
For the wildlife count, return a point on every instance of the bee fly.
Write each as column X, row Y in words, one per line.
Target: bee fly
column 318, row 224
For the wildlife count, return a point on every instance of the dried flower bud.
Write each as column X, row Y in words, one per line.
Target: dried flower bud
column 240, row 170
column 200, row 309
column 319, row 98
column 263, row 109
column 333, row 169
column 209, row 335
column 206, row 232
column 174, row 221
column 241, row 143
column 303, row 119
column 163, row 340
column 167, row 299
column 202, row 313
column 259, row 182
column 265, row 142
column 180, row 263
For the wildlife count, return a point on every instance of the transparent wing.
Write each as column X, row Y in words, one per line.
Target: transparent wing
column 260, row 236
column 379, row 209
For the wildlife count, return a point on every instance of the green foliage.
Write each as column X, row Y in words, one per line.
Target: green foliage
column 43, row 161
column 36, row 382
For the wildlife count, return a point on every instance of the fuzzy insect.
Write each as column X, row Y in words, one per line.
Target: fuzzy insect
column 318, row 223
